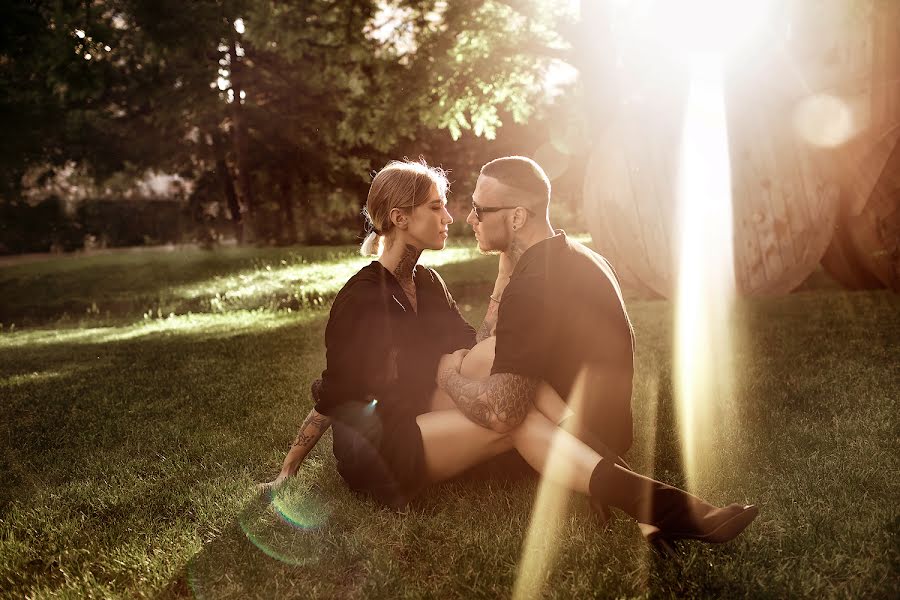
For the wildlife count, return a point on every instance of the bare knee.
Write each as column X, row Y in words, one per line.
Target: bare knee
column 503, row 442
column 478, row 362
column 533, row 421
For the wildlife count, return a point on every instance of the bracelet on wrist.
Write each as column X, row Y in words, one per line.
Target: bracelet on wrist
column 497, row 300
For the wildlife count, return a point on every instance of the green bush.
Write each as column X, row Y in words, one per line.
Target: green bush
column 50, row 226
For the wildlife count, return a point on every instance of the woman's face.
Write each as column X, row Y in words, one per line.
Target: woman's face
column 428, row 223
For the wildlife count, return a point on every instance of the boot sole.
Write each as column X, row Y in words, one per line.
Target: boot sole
column 725, row 532
column 731, row 528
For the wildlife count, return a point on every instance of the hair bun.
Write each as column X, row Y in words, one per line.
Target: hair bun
column 370, row 244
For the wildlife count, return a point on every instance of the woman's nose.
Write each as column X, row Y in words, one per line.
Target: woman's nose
column 448, row 218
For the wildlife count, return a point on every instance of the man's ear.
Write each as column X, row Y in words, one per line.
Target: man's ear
column 519, row 218
column 398, row 218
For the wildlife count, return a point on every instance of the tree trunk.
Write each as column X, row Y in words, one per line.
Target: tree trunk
column 234, row 207
column 239, row 138
column 288, row 223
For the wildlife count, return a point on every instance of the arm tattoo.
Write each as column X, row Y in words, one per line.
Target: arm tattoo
column 489, row 325
column 499, row 402
column 311, row 430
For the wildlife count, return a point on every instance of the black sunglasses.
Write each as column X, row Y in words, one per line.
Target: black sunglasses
column 480, row 210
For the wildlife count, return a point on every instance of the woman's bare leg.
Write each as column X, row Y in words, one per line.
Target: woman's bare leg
column 453, row 443
column 533, row 439
column 549, row 404
column 571, row 462
column 441, row 400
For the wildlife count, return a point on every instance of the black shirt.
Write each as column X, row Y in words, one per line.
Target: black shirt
column 562, row 319
column 379, row 348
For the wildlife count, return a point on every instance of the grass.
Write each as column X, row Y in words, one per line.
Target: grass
column 130, row 444
column 118, row 286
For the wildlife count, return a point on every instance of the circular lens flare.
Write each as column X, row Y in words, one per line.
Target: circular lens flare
column 823, row 121
column 555, row 163
column 304, row 512
column 272, row 524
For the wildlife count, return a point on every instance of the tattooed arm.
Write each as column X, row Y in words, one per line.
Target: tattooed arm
column 499, row 402
column 489, row 324
column 308, row 435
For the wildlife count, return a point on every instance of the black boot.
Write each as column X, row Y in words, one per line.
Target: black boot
column 602, row 512
column 675, row 512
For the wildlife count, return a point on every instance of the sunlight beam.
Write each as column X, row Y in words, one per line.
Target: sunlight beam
column 551, row 508
column 706, row 279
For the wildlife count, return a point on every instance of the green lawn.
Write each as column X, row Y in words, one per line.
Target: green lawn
column 116, row 287
column 130, row 443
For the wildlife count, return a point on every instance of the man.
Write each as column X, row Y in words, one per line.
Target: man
column 560, row 318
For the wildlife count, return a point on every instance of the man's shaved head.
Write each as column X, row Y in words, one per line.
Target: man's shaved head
column 522, row 175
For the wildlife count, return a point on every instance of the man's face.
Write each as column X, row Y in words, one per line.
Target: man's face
column 494, row 231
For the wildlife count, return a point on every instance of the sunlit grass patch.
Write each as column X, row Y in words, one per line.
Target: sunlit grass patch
column 33, row 377
column 213, row 324
column 92, row 290
column 297, row 285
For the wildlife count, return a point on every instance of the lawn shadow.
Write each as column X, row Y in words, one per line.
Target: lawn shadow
column 667, row 458
column 151, row 410
column 271, row 547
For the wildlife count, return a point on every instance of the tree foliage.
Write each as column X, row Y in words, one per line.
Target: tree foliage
column 281, row 117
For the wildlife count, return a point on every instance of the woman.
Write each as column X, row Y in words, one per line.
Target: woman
column 394, row 432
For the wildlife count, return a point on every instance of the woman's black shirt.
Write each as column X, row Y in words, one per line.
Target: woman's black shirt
column 378, row 348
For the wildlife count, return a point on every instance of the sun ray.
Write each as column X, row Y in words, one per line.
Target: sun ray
column 706, row 281
column 549, row 514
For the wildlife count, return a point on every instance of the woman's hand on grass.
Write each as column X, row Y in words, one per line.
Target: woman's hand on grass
column 274, row 484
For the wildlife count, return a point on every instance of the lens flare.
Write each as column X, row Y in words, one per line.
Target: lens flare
column 304, row 512
column 706, row 280
column 277, row 522
column 824, row 121
column 554, row 162
column 665, row 28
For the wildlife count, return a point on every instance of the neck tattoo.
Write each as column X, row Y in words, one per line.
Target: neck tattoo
column 404, row 272
column 515, row 251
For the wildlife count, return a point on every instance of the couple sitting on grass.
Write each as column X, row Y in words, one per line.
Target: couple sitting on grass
column 415, row 396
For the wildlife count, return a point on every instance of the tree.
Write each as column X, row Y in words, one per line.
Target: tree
column 300, row 102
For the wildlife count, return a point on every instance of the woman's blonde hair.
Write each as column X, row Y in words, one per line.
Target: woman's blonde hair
column 402, row 184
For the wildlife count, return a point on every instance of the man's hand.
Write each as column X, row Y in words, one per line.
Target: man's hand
column 506, row 266
column 449, row 364
column 504, row 272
